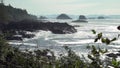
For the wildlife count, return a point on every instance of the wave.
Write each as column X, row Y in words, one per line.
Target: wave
column 22, row 44
column 38, row 35
column 76, row 42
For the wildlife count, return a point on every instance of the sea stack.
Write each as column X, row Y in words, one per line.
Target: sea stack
column 82, row 18
column 42, row 17
column 101, row 17
column 63, row 16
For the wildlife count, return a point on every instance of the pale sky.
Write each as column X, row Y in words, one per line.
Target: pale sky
column 76, row 7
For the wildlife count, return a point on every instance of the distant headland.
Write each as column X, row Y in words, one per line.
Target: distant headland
column 9, row 13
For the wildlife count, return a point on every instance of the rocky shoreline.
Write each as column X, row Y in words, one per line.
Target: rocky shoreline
column 19, row 29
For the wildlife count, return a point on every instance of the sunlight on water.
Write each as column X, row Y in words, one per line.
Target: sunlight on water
column 77, row 41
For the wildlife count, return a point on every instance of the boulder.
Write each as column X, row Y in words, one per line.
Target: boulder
column 118, row 27
column 63, row 16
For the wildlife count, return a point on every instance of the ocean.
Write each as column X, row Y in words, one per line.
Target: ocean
column 78, row 41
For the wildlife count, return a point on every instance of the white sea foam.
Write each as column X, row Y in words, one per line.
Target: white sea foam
column 83, row 36
column 114, row 46
column 117, row 41
column 38, row 34
column 76, row 42
column 20, row 43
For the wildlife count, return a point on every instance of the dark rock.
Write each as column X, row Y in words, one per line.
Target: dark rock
column 14, row 37
column 42, row 17
column 2, row 25
column 91, row 18
column 76, row 25
column 18, row 35
column 80, row 21
column 119, row 51
column 25, row 34
column 101, row 17
column 28, row 35
column 82, row 18
column 112, row 55
column 55, row 31
column 61, row 28
column 27, row 25
column 118, row 54
column 63, row 16
column 118, row 27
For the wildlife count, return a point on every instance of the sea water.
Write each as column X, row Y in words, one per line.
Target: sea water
column 77, row 41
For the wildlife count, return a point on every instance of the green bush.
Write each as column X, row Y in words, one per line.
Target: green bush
column 11, row 57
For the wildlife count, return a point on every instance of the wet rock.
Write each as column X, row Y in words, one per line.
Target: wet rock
column 61, row 28
column 54, row 27
column 118, row 54
column 14, row 37
column 112, row 55
column 118, row 27
column 28, row 35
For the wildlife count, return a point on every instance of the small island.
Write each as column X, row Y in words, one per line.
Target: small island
column 101, row 17
column 82, row 18
column 63, row 16
column 42, row 17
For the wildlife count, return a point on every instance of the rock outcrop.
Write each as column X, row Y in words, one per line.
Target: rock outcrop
column 118, row 27
column 63, row 16
column 27, row 25
column 82, row 18
column 114, row 55
column 18, row 30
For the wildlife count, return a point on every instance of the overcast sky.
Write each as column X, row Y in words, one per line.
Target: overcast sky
column 45, row 7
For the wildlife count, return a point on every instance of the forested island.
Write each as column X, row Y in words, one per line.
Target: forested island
column 63, row 16
column 82, row 18
column 9, row 13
